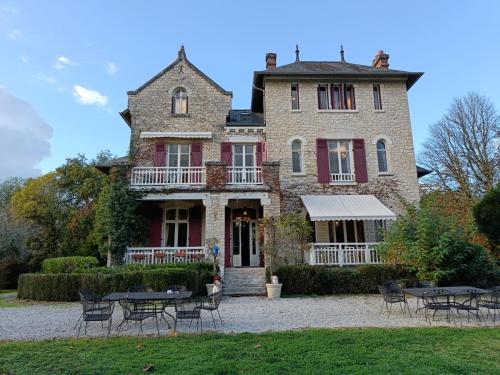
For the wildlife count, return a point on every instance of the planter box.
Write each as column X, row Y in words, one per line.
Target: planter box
column 273, row 291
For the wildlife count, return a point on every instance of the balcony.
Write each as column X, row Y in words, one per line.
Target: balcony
column 344, row 254
column 167, row 176
column 164, row 255
column 341, row 177
column 244, row 176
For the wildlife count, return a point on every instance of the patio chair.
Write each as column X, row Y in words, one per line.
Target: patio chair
column 96, row 311
column 137, row 311
column 86, row 295
column 391, row 294
column 438, row 300
column 211, row 303
column 491, row 302
column 421, row 284
column 470, row 305
column 188, row 309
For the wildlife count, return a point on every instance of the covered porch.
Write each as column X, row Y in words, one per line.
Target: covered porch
column 347, row 228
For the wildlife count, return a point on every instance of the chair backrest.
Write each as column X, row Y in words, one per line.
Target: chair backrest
column 137, row 288
column 438, row 295
column 87, row 295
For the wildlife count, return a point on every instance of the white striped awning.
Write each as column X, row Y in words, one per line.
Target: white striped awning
column 200, row 135
column 346, row 207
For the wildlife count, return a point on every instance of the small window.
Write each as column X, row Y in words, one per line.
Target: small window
column 382, row 156
column 349, row 102
column 323, row 97
column 180, row 102
column 296, row 156
column 295, row 96
column 377, row 98
column 176, row 227
column 336, row 96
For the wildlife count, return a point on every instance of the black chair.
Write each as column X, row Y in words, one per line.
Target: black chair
column 86, row 295
column 421, row 284
column 470, row 305
column 188, row 309
column 137, row 311
column 391, row 294
column 491, row 302
column 211, row 303
column 137, row 288
column 93, row 311
column 438, row 300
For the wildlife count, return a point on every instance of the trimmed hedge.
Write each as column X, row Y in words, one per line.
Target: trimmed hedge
column 323, row 280
column 68, row 264
column 65, row 287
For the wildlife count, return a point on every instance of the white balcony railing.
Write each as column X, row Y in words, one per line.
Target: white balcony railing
column 344, row 254
column 164, row 255
column 341, row 177
column 164, row 176
column 244, row 175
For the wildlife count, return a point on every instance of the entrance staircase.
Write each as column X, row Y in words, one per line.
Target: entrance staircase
column 247, row 281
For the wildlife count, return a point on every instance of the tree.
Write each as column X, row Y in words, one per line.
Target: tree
column 487, row 215
column 462, row 149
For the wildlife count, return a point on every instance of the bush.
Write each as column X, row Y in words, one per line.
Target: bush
column 9, row 273
column 65, row 287
column 321, row 280
column 68, row 264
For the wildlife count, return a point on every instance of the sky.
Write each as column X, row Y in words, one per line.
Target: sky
column 65, row 66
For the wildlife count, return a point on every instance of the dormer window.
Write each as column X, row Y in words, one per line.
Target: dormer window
column 180, row 102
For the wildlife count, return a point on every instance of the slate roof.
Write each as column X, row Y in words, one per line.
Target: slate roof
column 244, row 117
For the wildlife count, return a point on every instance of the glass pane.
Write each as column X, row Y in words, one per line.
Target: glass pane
column 249, row 160
column 238, row 149
column 347, row 94
column 170, row 235
column 172, row 148
column 345, row 157
column 331, row 229
column 296, row 145
column 333, row 161
column 183, row 214
column 184, row 103
column 238, row 160
column 339, row 231
column 351, row 237
column 184, row 160
column 184, row 149
column 249, row 149
column 360, row 228
column 336, row 98
column 171, row 214
column 295, row 97
column 236, row 239
column 173, row 160
column 382, row 161
column 182, row 234
column 296, row 162
column 323, row 98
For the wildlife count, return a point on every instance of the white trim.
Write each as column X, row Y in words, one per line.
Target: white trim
column 293, row 138
column 243, row 139
column 176, row 135
column 205, row 196
column 383, row 137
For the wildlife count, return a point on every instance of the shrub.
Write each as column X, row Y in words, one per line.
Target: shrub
column 9, row 273
column 68, row 264
column 321, row 280
column 65, row 287
column 487, row 215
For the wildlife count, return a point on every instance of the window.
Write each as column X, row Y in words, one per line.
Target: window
column 336, row 96
column 339, row 161
column 295, row 96
column 178, row 155
column 377, row 98
column 244, row 155
column 351, row 231
column 244, row 161
column 180, row 102
column 382, row 156
column 176, row 227
column 296, row 156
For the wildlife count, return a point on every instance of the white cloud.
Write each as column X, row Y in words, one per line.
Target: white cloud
column 15, row 34
column 48, row 79
column 24, row 137
column 88, row 96
column 63, row 62
column 111, row 68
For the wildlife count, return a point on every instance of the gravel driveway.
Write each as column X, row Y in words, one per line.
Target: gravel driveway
column 243, row 314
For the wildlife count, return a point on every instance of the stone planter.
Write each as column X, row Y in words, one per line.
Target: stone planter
column 273, row 291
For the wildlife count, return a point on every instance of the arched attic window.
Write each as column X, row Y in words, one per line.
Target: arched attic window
column 382, row 156
column 180, row 101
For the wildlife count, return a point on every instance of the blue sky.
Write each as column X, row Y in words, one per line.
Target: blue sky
column 66, row 66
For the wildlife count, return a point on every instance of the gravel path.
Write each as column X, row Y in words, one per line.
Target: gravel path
column 244, row 314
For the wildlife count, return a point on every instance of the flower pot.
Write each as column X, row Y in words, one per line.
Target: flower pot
column 273, row 291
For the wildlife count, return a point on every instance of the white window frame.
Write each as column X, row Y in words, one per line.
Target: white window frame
column 381, row 109
column 243, row 154
column 339, row 159
column 179, row 153
column 329, row 98
column 175, row 221
column 183, row 98
column 300, row 151
column 298, row 96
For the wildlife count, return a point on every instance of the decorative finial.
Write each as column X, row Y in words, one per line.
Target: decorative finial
column 297, row 58
column 342, row 53
column 182, row 52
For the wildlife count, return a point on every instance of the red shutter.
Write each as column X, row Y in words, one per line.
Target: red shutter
column 195, row 230
column 159, row 155
column 360, row 160
column 155, row 226
column 227, row 238
column 260, row 153
column 322, row 160
column 196, row 154
column 226, row 154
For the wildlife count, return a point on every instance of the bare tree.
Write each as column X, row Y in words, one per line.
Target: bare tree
column 463, row 148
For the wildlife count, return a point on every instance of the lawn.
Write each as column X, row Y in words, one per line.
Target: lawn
column 340, row 351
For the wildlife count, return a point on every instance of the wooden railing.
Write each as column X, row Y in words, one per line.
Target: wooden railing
column 164, row 255
column 344, row 254
column 164, row 176
column 244, row 175
column 341, row 177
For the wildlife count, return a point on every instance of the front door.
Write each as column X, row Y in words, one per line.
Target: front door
column 245, row 252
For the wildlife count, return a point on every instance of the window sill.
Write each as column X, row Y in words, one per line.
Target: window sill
column 295, row 111
column 302, row 174
column 386, row 174
column 343, row 183
column 379, row 110
column 180, row 115
column 338, row 111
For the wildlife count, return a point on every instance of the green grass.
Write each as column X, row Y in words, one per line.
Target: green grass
column 360, row 351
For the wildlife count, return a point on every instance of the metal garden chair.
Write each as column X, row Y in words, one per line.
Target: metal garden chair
column 491, row 302
column 189, row 309
column 391, row 294
column 137, row 311
column 211, row 303
column 470, row 305
column 93, row 311
column 438, row 299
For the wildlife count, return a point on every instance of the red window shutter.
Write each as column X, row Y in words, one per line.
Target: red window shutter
column 159, row 155
column 322, row 161
column 155, row 226
column 195, row 230
column 226, row 154
column 360, row 160
column 196, row 154
column 260, row 153
column 227, row 238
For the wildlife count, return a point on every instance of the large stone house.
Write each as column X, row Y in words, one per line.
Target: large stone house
column 329, row 139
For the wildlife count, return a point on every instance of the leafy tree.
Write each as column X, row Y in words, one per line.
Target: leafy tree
column 487, row 215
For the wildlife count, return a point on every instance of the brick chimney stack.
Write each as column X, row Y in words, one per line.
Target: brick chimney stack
column 270, row 60
column 381, row 60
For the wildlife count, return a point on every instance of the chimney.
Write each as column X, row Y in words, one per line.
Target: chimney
column 381, row 60
column 270, row 60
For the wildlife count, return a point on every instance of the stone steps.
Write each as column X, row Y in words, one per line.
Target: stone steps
column 245, row 281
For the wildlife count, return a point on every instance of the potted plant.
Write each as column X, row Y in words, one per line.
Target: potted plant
column 269, row 231
column 213, row 253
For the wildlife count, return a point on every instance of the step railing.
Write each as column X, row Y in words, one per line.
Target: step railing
column 165, row 255
column 344, row 254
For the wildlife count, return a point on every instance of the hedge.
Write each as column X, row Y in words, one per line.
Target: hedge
column 65, row 286
column 323, row 280
column 68, row 264
column 9, row 273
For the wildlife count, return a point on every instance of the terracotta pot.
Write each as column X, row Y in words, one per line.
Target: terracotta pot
column 180, row 254
column 138, row 256
column 159, row 255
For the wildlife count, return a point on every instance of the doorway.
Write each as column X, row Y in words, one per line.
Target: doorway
column 245, row 252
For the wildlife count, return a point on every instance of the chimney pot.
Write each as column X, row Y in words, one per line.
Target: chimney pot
column 270, row 60
column 381, row 60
